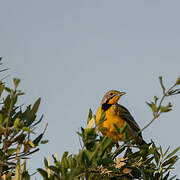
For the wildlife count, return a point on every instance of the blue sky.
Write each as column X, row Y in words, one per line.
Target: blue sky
column 71, row 52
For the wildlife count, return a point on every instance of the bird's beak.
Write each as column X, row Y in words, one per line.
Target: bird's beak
column 121, row 94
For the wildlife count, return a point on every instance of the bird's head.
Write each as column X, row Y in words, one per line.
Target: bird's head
column 112, row 97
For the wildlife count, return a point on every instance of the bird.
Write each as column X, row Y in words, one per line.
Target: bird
column 117, row 115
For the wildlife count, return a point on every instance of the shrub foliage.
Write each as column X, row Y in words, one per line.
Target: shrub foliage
column 98, row 157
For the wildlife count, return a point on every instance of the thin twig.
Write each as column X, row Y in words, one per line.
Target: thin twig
column 156, row 115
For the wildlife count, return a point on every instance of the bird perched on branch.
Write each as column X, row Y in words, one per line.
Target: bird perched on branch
column 117, row 116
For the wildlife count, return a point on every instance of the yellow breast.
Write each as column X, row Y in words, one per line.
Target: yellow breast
column 107, row 126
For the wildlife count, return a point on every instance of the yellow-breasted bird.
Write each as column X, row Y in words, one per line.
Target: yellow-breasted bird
column 118, row 115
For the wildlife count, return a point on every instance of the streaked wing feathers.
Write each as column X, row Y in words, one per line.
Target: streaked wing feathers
column 125, row 114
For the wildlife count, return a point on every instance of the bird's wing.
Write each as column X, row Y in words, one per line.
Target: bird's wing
column 125, row 115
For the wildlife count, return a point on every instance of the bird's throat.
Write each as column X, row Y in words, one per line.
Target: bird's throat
column 106, row 106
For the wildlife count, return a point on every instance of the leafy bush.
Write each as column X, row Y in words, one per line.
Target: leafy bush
column 18, row 139
column 99, row 159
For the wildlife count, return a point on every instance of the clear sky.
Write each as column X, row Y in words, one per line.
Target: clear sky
column 70, row 52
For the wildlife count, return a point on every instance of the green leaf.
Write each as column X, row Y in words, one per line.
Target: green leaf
column 31, row 143
column 16, row 82
column 11, row 151
column 72, row 161
column 169, row 167
column 173, row 177
column 102, row 118
column 106, row 161
column 160, row 148
column 165, row 109
column 45, row 162
column 64, row 160
column 174, row 92
column 155, row 99
column 27, row 130
column 123, row 129
column 166, row 176
column 43, row 173
column 19, row 93
column 156, row 155
column 171, row 160
column 54, row 169
column 117, row 128
column 149, row 104
column 162, row 85
column 38, row 139
column 36, row 106
column 85, row 159
column 90, row 115
column 178, row 81
column 2, row 155
column 1, row 88
column 44, row 141
column 8, row 89
column 16, row 122
column 1, row 118
column 172, row 153
column 166, row 151
column 154, row 108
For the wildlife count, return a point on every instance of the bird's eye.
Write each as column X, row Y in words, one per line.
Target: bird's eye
column 111, row 93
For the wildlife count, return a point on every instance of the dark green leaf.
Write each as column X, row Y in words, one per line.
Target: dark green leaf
column 166, row 176
column 156, row 155
column 36, row 106
column 173, row 92
column 106, row 161
column 89, row 115
column 44, row 141
column 117, row 128
column 166, row 151
column 102, row 118
column 64, row 160
column 172, row 153
column 36, row 123
column 43, row 173
column 45, row 162
column 11, row 151
column 170, row 161
column 123, row 129
column 72, row 161
column 54, row 169
column 2, row 155
column 173, row 177
column 8, row 89
column 38, row 139
column 157, row 175
column 149, row 104
column 85, row 159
